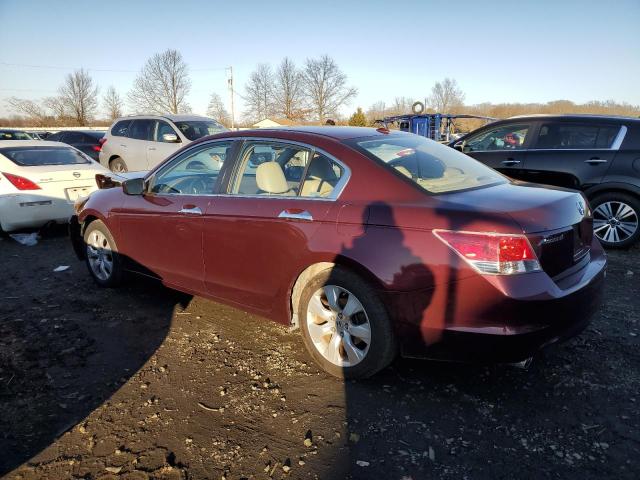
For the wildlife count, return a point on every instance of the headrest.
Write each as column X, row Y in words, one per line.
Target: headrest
column 270, row 178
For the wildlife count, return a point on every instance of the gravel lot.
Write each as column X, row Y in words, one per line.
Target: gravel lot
column 144, row 382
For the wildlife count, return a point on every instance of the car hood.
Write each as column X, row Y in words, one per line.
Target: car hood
column 535, row 208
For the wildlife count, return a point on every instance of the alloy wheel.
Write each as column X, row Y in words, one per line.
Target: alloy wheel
column 338, row 326
column 100, row 255
column 614, row 221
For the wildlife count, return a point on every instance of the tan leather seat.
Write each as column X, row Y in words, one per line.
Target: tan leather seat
column 321, row 178
column 271, row 180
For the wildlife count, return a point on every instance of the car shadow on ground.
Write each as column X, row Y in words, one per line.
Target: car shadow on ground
column 68, row 352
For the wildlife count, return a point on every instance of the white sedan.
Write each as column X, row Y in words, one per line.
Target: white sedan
column 40, row 181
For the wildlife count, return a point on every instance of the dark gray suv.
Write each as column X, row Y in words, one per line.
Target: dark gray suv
column 599, row 155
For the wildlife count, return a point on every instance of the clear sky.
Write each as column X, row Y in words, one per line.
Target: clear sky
column 498, row 51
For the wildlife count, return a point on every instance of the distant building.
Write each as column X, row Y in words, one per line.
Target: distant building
column 269, row 123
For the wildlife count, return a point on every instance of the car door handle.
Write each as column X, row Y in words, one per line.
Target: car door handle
column 190, row 210
column 510, row 161
column 595, row 161
column 295, row 214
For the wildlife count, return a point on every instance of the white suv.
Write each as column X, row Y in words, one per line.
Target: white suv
column 141, row 142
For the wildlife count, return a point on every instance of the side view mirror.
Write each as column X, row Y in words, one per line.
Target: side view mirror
column 170, row 138
column 134, row 186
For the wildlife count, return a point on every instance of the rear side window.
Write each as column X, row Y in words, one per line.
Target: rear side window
column 576, row 136
column 36, row 156
column 141, row 129
column 121, row 128
column 74, row 137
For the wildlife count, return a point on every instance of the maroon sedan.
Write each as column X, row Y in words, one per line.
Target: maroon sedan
column 371, row 242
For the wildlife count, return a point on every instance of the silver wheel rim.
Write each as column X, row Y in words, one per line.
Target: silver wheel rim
column 100, row 255
column 614, row 222
column 118, row 166
column 338, row 326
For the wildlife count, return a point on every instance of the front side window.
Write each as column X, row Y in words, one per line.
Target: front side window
column 141, row 129
column 163, row 128
column 194, row 129
column 195, row 172
column 576, row 136
column 37, row 156
column 503, row 137
column 271, row 169
column 434, row 167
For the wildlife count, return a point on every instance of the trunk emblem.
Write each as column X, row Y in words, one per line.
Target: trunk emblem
column 580, row 207
column 76, row 174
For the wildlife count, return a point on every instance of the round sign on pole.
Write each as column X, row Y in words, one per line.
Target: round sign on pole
column 417, row 107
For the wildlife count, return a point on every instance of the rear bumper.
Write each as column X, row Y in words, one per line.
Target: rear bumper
column 505, row 320
column 32, row 211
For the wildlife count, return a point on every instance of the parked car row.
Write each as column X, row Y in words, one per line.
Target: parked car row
column 40, row 181
column 445, row 258
column 599, row 155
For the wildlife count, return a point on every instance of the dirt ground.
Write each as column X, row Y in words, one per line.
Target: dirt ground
column 144, row 382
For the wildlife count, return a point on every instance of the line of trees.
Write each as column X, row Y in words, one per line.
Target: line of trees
column 315, row 91
column 161, row 86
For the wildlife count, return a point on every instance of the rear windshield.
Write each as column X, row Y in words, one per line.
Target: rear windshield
column 432, row 166
column 9, row 135
column 36, row 156
column 197, row 129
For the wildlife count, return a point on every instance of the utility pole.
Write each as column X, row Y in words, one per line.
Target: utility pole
column 230, row 82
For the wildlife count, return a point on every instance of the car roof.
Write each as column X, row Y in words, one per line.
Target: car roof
column 573, row 116
column 168, row 116
column 337, row 133
column 31, row 143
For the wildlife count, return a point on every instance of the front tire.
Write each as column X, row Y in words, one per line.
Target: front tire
column 102, row 258
column 345, row 326
column 615, row 219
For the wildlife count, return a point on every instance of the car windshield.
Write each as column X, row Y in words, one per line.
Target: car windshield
column 9, row 135
column 194, row 129
column 434, row 167
column 36, row 156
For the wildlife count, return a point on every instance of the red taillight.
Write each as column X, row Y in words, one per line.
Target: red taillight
column 494, row 253
column 21, row 183
column 96, row 148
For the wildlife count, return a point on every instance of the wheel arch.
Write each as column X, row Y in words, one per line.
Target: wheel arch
column 320, row 265
column 617, row 187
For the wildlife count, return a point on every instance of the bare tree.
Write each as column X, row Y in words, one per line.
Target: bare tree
column 162, row 85
column 79, row 96
column 446, row 96
column 32, row 110
column 326, row 86
column 401, row 105
column 112, row 103
column 57, row 108
column 377, row 111
column 259, row 93
column 288, row 91
column 217, row 110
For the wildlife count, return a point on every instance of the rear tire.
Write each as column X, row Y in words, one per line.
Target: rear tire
column 102, row 258
column 345, row 326
column 616, row 218
column 118, row 165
